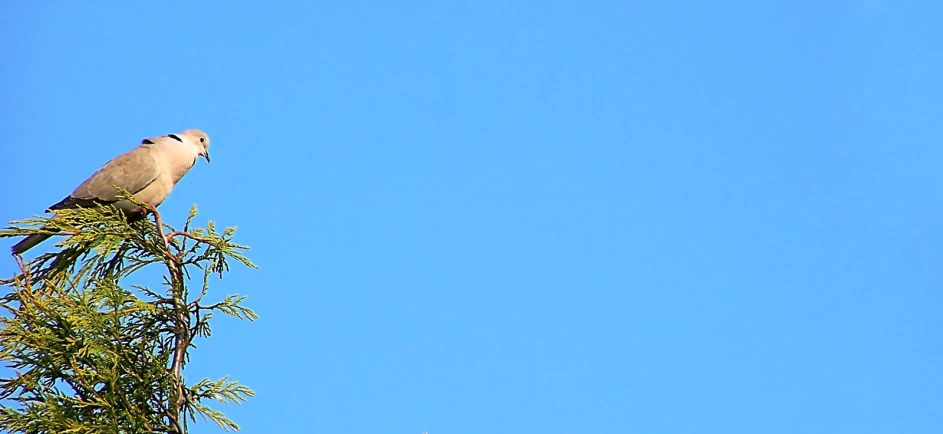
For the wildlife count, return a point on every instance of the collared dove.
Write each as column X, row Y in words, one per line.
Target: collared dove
column 149, row 172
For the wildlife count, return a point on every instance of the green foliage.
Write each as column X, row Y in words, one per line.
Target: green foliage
column 94, row 354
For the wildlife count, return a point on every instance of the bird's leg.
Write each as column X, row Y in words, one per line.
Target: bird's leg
column 138, row 213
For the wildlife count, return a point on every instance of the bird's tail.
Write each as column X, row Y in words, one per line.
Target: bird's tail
column 29, row 242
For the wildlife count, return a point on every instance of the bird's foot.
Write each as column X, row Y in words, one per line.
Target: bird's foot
column 146, row 209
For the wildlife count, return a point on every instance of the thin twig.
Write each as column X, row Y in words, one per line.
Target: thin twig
column 24, row 269
column 185, row 235
column 160, row 225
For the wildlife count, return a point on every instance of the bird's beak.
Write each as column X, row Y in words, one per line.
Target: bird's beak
column 206, row 156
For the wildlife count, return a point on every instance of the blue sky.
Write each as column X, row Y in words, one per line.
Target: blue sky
column 533, row 217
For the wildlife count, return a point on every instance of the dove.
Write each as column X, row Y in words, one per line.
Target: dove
column 149, row 172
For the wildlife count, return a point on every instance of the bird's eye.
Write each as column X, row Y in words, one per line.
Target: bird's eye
column 202, row 139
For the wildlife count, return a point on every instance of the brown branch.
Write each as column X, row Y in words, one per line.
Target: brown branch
column 181, row 330
column 185, row 235
column 181, row 336
column 181, row 342
column 174, row 421
column 25, row 270
column 160, row 225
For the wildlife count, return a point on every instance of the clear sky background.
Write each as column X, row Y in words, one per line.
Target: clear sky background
column 529, row 217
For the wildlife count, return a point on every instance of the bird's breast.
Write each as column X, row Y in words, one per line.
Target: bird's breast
column 181, row 169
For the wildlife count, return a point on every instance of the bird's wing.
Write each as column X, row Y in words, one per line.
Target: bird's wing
column 133, row 171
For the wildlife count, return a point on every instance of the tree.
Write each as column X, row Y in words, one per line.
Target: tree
column 91, row 353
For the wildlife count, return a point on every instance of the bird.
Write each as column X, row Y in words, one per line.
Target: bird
column 149, row 172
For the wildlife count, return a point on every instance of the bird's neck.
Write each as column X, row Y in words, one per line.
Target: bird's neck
column 180, row 158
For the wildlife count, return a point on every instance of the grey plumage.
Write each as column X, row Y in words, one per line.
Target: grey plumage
column 149, row 172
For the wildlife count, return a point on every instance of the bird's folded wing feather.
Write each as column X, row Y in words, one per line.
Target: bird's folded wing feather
column 133, row 171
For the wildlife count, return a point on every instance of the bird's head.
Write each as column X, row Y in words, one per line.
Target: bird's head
column 199, row 139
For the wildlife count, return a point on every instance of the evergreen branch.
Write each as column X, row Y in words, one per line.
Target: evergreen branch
column 91, row 356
